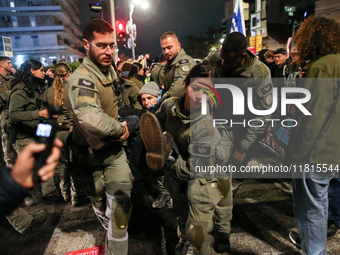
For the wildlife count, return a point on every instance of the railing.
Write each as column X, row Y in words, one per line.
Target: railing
column 22, row 3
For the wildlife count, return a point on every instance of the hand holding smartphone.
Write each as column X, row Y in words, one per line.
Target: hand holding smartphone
column 46, row 132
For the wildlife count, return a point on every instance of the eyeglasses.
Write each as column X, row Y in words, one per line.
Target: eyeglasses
column 104, row 46
column 278, row 57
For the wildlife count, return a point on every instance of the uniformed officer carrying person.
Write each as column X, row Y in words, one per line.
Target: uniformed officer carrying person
column 5, row 88
column 97, row 134
column 233, row 60
column 196, row 143
column 177, row 67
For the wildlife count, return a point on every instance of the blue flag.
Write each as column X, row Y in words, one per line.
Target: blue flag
column 237, row 23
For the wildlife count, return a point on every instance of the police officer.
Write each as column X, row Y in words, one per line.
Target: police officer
column 24, row 111
column 233, row 60
column 97, row 134
column 5, row 87
column 177, row 67
column 157, row 74
column 57, row 95
column 197, row 143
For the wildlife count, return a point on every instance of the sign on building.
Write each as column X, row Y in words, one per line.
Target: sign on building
column 6, row 46
column 256, row 42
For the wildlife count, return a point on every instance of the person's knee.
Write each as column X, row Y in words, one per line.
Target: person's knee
column 121, row 207
column 196, row 232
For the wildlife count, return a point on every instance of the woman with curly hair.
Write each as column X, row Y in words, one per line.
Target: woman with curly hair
column 57, row 95
column 315, row 141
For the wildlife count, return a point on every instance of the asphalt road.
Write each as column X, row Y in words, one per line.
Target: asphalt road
column 262, row 219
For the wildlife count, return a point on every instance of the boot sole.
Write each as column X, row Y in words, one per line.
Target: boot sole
column 151, row 133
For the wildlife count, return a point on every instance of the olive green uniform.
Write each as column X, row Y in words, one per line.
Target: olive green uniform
column 157, row 75
column 95, row 149
column 255, row 74
column 175, row 72
column 137, row 81
column 129, row 95
column 64, row 122
column 24, row 115
column 7, row 148
column 195, row 200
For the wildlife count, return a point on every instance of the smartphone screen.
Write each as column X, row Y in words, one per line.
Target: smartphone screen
column 44, row 130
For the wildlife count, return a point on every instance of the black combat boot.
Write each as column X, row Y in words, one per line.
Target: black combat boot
column 182, row 247
column 158, row 144
column 222, row 243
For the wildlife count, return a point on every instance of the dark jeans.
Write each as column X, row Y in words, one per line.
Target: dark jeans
column 334, row 201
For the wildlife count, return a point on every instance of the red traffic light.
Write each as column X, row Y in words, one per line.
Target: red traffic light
column 120, row 31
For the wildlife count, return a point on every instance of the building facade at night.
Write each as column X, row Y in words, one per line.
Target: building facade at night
column 42, row 29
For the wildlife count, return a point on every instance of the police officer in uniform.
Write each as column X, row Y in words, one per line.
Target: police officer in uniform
column 25, row 114
column 97, row 134
column 233, row 60
column 157, row 74
column 57, row 95
column 5, row 88
column 197, row 143
column 177, row 67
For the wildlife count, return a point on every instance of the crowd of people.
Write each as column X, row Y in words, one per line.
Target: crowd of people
column 135, row 120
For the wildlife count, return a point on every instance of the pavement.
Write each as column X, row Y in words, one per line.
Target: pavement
column 262, row 219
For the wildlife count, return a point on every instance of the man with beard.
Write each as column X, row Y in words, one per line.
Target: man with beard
column 97, row 155
column 5, row 88
column 177, row 67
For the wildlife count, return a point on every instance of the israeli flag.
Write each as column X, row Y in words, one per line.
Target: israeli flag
column 237, row 24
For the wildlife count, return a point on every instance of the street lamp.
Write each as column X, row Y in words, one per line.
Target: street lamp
column 131, row 28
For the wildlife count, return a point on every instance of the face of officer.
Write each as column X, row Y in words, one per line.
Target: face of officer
column 100, row 50
column 148, row 100
column 6, row 65
column 232, row 60
column 194, row 92
column 170, row 47
column 279, row 59
column 39, row 73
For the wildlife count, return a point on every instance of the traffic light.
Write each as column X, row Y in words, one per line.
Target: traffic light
column 120, row 31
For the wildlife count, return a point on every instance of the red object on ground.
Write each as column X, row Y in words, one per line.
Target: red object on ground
column 98, row 250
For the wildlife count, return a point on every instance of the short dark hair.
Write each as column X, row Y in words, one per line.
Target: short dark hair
column 202, row 70
column 167, row 34
column 235, row 42
column 162, row 58
column 96, row 25
column 2, row 58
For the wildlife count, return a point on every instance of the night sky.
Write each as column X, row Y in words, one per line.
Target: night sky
column 189, row 17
